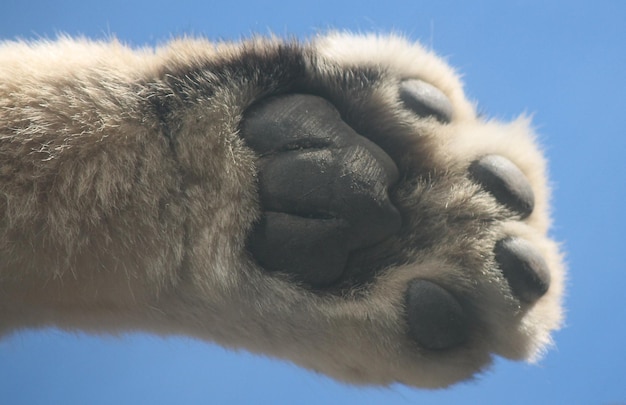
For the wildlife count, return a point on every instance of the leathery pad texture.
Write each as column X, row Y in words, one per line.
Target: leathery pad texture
column 378, row 180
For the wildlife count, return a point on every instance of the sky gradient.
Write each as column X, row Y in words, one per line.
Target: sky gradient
column 564, row 62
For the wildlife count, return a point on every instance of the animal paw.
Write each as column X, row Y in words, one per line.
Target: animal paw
column 413, row 231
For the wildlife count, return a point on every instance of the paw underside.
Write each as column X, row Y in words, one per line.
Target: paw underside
column 330, row 196
column 405, row 236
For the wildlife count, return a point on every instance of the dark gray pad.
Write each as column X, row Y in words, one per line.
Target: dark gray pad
column 426, row 100
column 524, row 268
column 435, row 317
column 323, row 188
column 505, row 181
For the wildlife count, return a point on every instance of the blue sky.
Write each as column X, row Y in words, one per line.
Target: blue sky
column 563, row 61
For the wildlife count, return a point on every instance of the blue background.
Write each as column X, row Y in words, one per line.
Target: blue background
column 563, row 61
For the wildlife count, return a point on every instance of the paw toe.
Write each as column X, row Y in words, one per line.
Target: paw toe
column 524, row 268
column 426, row 100
column 505, row 181
column 436, row 319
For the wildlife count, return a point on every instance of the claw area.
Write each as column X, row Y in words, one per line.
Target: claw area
column 505, row 181
column 436, row 319
column 323, row 188
column 523, row 267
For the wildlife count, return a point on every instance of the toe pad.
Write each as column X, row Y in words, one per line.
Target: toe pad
column 524, row 268
column 505, row 181
column 435, row 317
column 426, row 100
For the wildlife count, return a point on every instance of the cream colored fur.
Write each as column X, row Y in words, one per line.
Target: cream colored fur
column 114, row 218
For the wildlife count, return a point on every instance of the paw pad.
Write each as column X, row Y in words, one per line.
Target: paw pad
column 524, row 268
column 435, row 317
column 426, row 100
column 323, row 188
column 505, row 181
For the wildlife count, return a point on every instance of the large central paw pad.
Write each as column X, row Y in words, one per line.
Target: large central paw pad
column 323, row 189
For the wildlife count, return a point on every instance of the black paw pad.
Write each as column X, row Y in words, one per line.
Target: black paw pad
column 524, row 268
column 311, row 250
column 323, row 188
column 436, row 319
column 505, row 181
column 426, row 100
